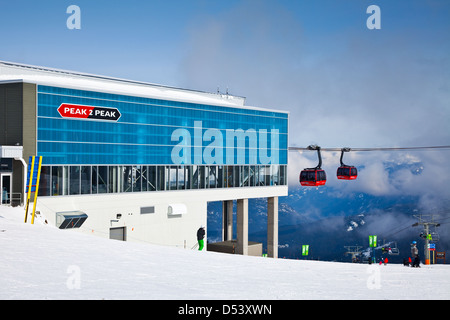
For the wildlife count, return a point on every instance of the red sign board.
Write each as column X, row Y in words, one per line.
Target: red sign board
column 67, row 110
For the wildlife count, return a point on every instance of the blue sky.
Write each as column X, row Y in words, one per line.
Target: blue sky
column 344, row 85
column 145, row 39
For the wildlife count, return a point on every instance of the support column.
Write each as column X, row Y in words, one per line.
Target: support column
column 227, row 220
column 272, row 227
column 426, row 249
column 242, row 226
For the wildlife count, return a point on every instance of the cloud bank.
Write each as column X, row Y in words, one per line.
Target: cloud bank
column 344, row 87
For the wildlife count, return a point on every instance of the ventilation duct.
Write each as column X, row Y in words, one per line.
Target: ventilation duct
column 70, row 219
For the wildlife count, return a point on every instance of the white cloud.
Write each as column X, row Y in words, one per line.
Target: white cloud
column 352, row 89
column 424, row 174
column 357, row 90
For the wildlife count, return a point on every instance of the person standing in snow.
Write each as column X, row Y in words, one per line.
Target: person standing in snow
column 200, row 236
column 415, row 254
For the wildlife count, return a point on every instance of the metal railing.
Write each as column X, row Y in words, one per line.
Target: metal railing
column 11, row 198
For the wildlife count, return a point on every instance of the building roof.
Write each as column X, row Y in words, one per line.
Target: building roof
column 13, row 72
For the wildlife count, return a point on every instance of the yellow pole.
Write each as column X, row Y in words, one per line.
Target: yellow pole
column 37, row 189
column 29, row 188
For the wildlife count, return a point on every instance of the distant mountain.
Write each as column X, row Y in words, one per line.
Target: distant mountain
column 328, row 223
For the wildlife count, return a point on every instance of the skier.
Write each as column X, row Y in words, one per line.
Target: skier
column 415, row 255
column 200, row 236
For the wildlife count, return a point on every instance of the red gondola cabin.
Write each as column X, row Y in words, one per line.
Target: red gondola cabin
column 347, row 173
column 313, row 177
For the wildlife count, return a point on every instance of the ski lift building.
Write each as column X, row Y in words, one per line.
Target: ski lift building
column 139, row 160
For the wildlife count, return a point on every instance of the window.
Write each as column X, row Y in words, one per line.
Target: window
column 114, row 179
column 274, row 174
column 229, row 176
column 151, row 178
column 137, row 182
column 264, row 176
column 173, row 177
column 188, row 173
column 220, row 176
column 74, row 181
column 102, row 176
column 283, row 177
column 147, row 210
column 309, row 175
column 202, row 176
column 321, row 175
column 194, row 177
column 212, row 176
column 127, row 178
column 144, row 178
column 246, row 176
column 86, row 179
column 181, row 179
column 252, row 174
column 161, row 178
column 59, row 180
column 94, row 180
column 44, row 183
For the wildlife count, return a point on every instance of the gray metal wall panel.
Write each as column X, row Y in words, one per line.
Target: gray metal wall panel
column 11, row 100
column 29, row 119
column 18, row 124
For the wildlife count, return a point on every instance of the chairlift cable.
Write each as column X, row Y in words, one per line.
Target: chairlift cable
column 394, row 232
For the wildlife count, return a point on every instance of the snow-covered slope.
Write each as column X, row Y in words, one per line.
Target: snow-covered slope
column 41, row 262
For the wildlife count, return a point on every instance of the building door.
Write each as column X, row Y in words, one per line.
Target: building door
column 5, row 187
column 117, row 233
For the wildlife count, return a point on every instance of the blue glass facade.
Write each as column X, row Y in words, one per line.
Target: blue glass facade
column 148, row 132
column 154, row 145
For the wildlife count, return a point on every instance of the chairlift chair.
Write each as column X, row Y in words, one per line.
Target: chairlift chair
column 434, row 236
column 394, row 250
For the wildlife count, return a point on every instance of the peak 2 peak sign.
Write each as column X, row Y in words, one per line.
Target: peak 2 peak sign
column 88, row 112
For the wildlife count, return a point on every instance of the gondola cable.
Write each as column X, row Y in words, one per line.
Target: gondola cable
column 373, row 149
column 314, row 177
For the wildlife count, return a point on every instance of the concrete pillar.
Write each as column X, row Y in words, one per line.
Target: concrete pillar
column 227, row 220
column 242, row 226
column 272, row 227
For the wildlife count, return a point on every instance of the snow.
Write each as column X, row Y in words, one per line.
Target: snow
column 42, row 262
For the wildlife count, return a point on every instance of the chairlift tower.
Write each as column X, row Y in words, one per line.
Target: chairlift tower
column 354, row 251
column 426, row 231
